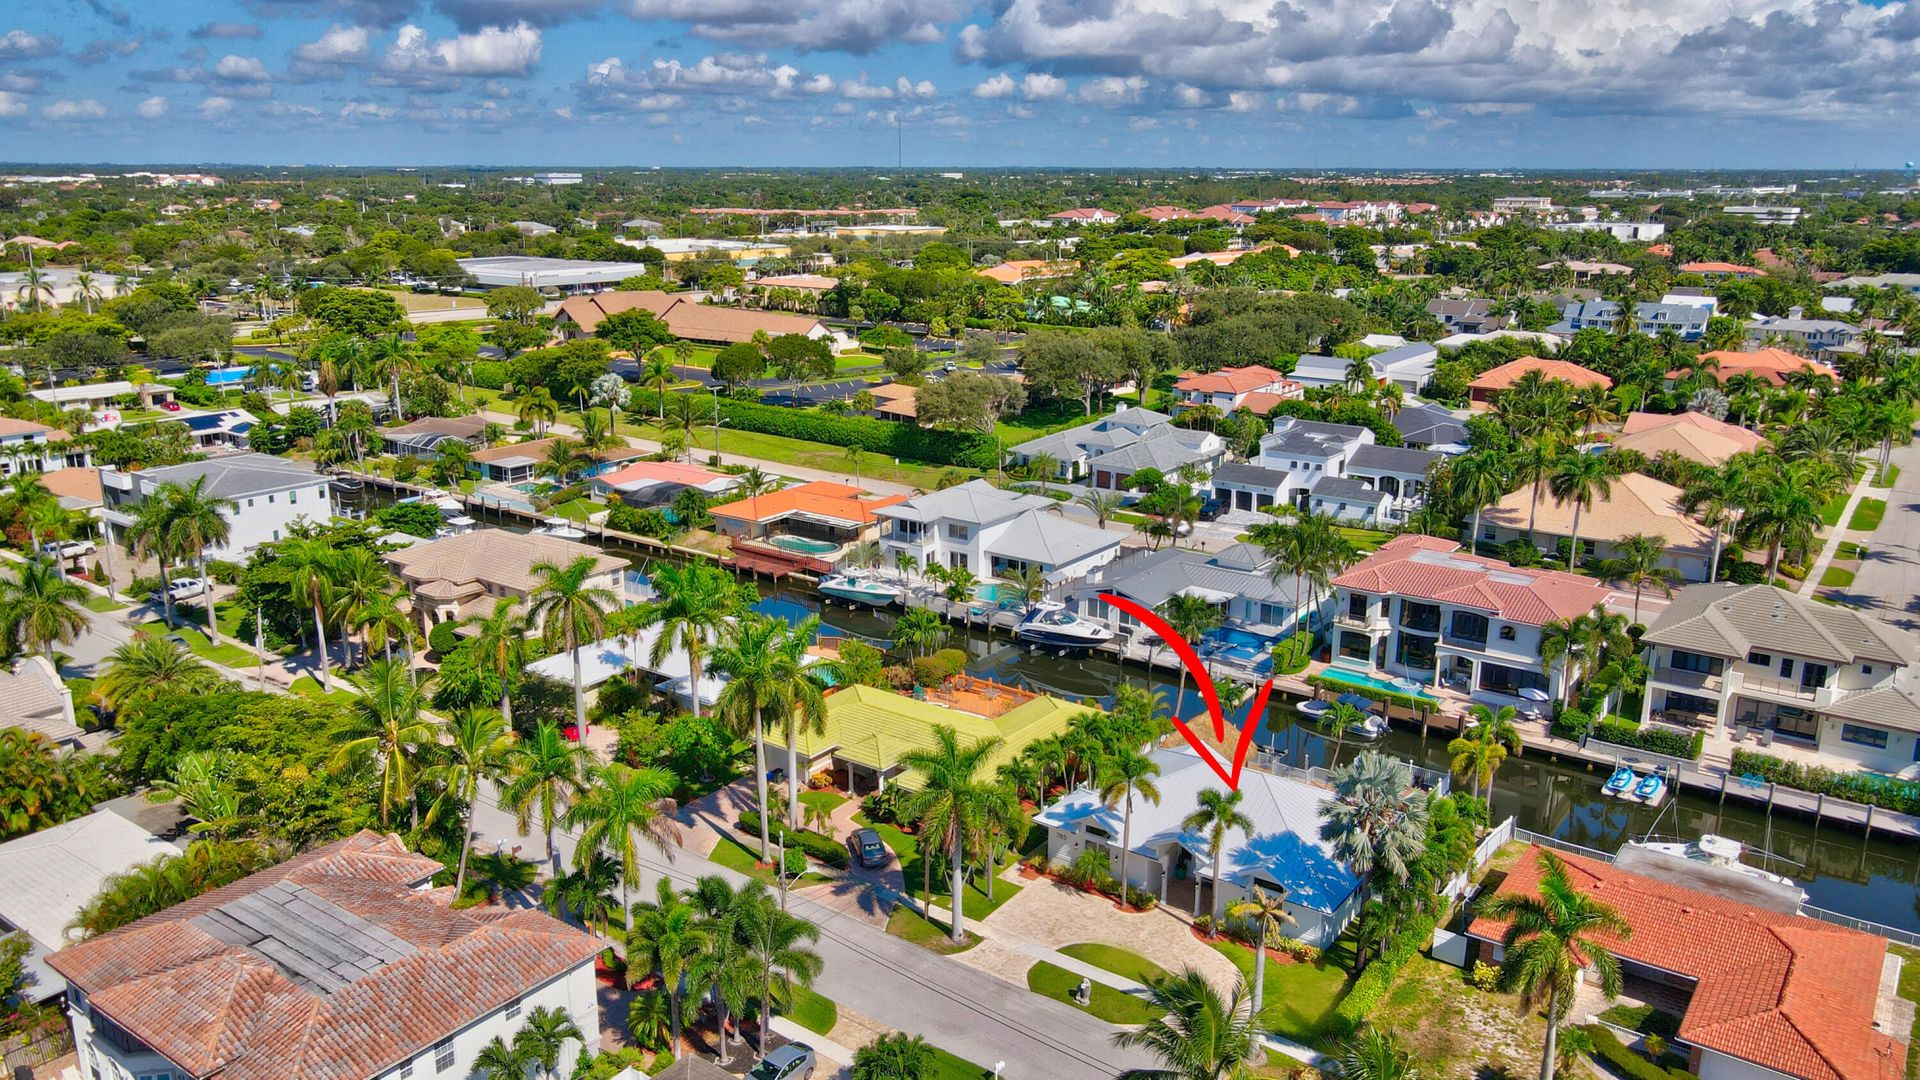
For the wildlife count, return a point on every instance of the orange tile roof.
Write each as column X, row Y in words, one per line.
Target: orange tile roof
column 1015, row 271
column 1781, row 991
column 10, row 425
column 1694, row 436
column 668, row 472
column 82, row 484
column 1433, row 569
column 1229, row 380
column 1261, row 402
column 821, row 498
column 1165, row 213
column 1660, row 249
column 684, row 316
column 1770, row 363
column 1504, row 376
column 1718, row 268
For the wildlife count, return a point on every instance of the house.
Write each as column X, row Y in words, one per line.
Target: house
column 1767, row 993
column 819, row 511
column 269, row 494
column 1639, row 505
column 1810, row 675
column 47, row 877
column 1721, row 271
column 533, row 228
column 1425, row 426
column 1398, row 473
column 688, row 318
column 1523, row 204
column 1108, row 451
column 1472, row 315
column 1771, row 364
column 1015, row 271
column 1408, row 366
column 866, row 730
column 227, row 428
column 655, row 483
column 1257, row 608
column 1423, row 609
column 30, row 447
column 39, row 702
column 1819, row 338
column 1586, row 269
column 1084, row 215
column 811, row 283
column 1695, row 436
column 686, row 249
column 1166, row 213
column 99, row 398
column 521, row 461
column 422, row 437
column 1909, row 283
column 1490, row 384
column 1293, row 458
column 1538, row 338
column 459, row 576
column 895, row 401
column 276, row 976
column 993, row 533
column 77, row 489
column 1282, row 853
column 1229, row 389
column 1687, row 320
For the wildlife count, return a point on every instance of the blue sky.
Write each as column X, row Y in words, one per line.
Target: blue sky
column 1258, row 83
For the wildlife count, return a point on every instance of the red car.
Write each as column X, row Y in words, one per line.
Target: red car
column 170, row 406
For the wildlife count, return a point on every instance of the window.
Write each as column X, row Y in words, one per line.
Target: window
column 154, row 1076
column 293, row 496
column 249, row 502
column 405, row 1071
column 513, row 1008
column 957, row 532
column 1357, row 604
column 443, row 1055
column 1786, row 667
column 1468, row 626
column 1866, row 669
column 1356, row 646
column 1506, row 633
column 1812, row 675
column 269, row 500
column 1760, row 659
column 1863, row 736
column 1683, row 660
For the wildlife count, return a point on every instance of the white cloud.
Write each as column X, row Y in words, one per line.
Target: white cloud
column 476, row 14
column 18, row 83
column 339, row 45
column 1040, row 86
column 1113, row 90
column 853, row 26
column 1142, row 123
column 152, row 108
column 727, row 79
column 216, row 106
column 12, row 104
column 20, row 45
column 907, row 88
column 861, row 90
column 241, row 69
column 367, row 110
column 818, row 84
column 1001, row 85
column 88, row 109
column 416, row 60
column 1191, row 97
column 1245, row 101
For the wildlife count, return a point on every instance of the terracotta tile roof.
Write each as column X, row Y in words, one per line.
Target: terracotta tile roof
column 1639, row 505
column 1694, row 436
column 809, row 282
column 177, row 983
column 1719, row 268
column 684, row 316
column 1504, row 376
column 80, row 484
column 1229, row 380
column 820, row 498
column 1432, row 569
column 667, row 472
column 489, row 557
column 10, row 426
column 1015, row 271
column 1769, row 363
column 1166, row 213
column 1261, row 402
column 1780, row 991
column 1228, row 214
column 1660, row 249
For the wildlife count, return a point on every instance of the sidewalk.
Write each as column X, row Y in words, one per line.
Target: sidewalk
column 1840, row 530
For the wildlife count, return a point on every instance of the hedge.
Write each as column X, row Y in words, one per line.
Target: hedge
column 1872, row 788
column 1608, row 1046
column 1621, row 731
column 488, row 375
column 1390, row 697
column 933, row 670
column 887, row 438
column 1372, row 985
column 1290, row 655
column 824, row 848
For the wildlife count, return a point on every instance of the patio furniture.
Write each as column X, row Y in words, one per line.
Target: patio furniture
column 1766, row 737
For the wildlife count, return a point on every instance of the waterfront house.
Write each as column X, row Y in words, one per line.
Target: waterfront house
column 1422, row 609
column 1282, row 853
column 30, row 447
column 993, row 533
column 1334, row 469
column 422, row 437
column 458, row 577
column 818, row 510
column 520, row 462
column 655, row 483
column 1761, row 993
column 1490, row 384
column 1794, row 672
column 1637, row 505
column 277, row 976
column 1394, row 472
column 1257, row 608
column 269, row 494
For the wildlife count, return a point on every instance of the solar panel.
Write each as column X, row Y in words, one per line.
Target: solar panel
column 313, row 941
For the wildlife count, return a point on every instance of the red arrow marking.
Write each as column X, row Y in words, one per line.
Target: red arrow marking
column 1204, row 681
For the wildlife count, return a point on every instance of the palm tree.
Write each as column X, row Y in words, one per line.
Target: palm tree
column 724, row 967
column 197, row 520
column 755, row 482
column 386, row 729
column 586, row 892
column 1579, row 479
column 572, row 612
column 1636, row 561
column 565, row 459
column 1532, row 464
column 87, row 289
column 778, row 942
column 546, row 773
column 955, row 808
column 619, row 809
column 670, row 939
column 148, row 538
column 1268, row 912
column 1551, row 940
column 1377, row 821
column 658, row 373
column 361, row 581
column 41, row 608
column 1481, row 751
column 1339, row 719
column 1102, row 504
column 1191, row 617
column 453, row 462
column 478, row 745
column 538, row 408
column 381, row 622
column 767, row 683
column 545, row 1036
column 148, row 666
column 1216, row 813
column 1715, row 497
column 892, row 1057
column 1478, row 480
column 501, row 1060
column 1784, row 513
column 500, row 647
column 695, row 601
column 919, row 631
column 1374, row 1054
column 1200, row 1035
column 314, row 563
column 1124, row 774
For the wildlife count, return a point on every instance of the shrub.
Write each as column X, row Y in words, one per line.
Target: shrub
column 443, row 638
column 1089, row 869
column 819, row 846
column 1630, row 1064
column 1872, row 788
column 1290, row 655
column 882, row 807
column 1371, row 987
column 1140, row 898
column 1742, row 572
column 224, row 572
column 1621, row 731
column 640, row 522
column 886, row 337
column 1520, row 552
column 938, row 668
column 1485, row 976
column 488, row 375
column 1205, row 924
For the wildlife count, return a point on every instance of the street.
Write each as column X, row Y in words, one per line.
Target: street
column 1888, row 583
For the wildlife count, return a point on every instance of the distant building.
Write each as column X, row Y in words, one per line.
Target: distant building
column 1228, row 389
column 1766, row 215
column 558, row 275
column 547, row 179
column 1527, row 204
column 1721, row 271
column 686, row 317
column 1623, row 231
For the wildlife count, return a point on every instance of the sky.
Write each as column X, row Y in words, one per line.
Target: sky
column 1148, row 83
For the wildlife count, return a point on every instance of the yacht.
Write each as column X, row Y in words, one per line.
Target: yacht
column 1714, row 850
column 857, row 588
column 1051, row 626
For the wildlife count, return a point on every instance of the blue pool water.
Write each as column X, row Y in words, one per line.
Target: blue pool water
column 232, row 376
column 803, row 546
column 1239, row 644
column 527, row 487
column 1370, row 682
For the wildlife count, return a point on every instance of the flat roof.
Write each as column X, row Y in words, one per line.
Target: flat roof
column 538, row 271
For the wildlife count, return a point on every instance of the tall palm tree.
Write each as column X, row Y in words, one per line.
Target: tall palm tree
column 1481, row 751
column 695, row 601
column 725, row 969
column 1124, row 774
column 546, row 773
column 41, row 608
column 478, row 745
column 1192, row 617
column 1199, row 1035
column 572, row 612
column 387, row 730
column 956, row 808
column 149, row 537
column 361, row 581
column 1532, row 463
column 1374, row 1054
column 1216, row 813
column 620, row 808
column 1551, row 940
column 1339, row 719
column 314, row 563
column 148, row 666
column 671, row 937
column 1101, row 504
column 778, row 942
column 1377, row 821
column 1268, row 913
column 544, row 1037
column 1636, row 562
column 1784, row 512
column 538, row 408
column 658, row 373
column 1579, row 479
column 1477, row 481
column 381, row 622
column 1716, row 497
column 500, row 646
column 767, row 684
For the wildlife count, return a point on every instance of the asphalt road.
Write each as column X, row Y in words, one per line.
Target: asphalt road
column 1888, row 583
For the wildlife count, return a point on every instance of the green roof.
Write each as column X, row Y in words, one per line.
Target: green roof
column 874, row 727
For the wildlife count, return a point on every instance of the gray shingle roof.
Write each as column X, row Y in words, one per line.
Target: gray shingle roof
column 1429, row 424
column 234, row 477
column 1341, row 487
column 1165, row 448
column 975, row 501
column 1309, row 437
column 1106, row 433
column 1394, row 459
column 1254, row 476
column 1724, row 619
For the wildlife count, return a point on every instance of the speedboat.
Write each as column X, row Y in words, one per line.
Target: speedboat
column 1371, row 725
column 1714, row 850
column 560, row 529
column 1621, row 782
column 1651, row 789
column 859, row 589
column 1051, row 626
column 1313, row 708
column 346, row 484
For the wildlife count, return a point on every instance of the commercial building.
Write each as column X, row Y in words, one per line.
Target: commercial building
column 564, row 276
column 268, row 494
column 744, row 252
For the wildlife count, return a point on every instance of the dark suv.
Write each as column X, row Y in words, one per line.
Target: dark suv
column 867, row 850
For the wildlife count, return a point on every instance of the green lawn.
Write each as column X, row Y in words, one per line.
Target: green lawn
column 813, row 1012
column 734, row 854
column 1866, row 516
column 973, row 898
column 232, row 656
column 1127, row 965
column 1910, row 989
column 1113, row 1006
column 1849, row 549
column 830, row 800
column 1365, row 541
column 948, row 1067
column 1888, row 478
column 1830, row 513
column 905, row 923
column 1299, row 997
column 1837, row 577
column 102, row 604
column 308, row 686
column 576, row 510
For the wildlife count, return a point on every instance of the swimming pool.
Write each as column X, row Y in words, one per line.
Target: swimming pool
column 231, row 376
column 995, row 593
column 1370, row 682
column 1239, row 644
column 527, row 487
column 802, row 546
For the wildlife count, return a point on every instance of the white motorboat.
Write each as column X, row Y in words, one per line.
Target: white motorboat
column 857, row 588
column 1372, row 725
column 560, row 529
column 1051, row 626
column 1714, row 850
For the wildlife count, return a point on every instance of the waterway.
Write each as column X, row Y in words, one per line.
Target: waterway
column 1873, row 877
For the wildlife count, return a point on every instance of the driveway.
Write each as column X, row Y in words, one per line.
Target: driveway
column 1888, row 583
column 1049, row 914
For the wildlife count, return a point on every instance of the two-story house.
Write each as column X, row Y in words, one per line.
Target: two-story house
column 1395, row 472
column 26, row 446
column 993, row 533
column 1408, row 366
column 1472, row 315
column 1073, row 450
column 1687, row 320
column 1752, row 658
column 1293, row 458
column 1818, row 338
column 268, row 494
column 1421, row 609
column 1230, row 389
column 1256, row 607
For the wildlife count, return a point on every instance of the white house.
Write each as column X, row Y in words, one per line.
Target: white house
column 1228, row 389
column 26, row 446
column 342, row 962
column 1107, row 451
column 993, row 533
column 1397, row 473
column 1408, row 366
column 1257, row 608
column 269, row 495
column 1292, row 458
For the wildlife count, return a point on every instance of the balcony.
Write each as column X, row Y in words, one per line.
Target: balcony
column 1682, row 679
column 1778, row 688
column 1368, row 623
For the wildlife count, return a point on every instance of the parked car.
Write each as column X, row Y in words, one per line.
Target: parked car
column 68, row 549
column 867, row 850
column 170, row 406
column 1212, row 508
column 793, row 1061
column 183, row 589
column 950, row 367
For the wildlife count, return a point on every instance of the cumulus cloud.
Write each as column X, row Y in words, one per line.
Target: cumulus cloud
column 416, row 60
column 853, row 26
column 12, row 104
column 1001, row 85
column 1113, row 90
column 88, row 109
column 20, row 45
column 214, row 107
column 367, row 110
column 152, row 108
column 611, row 85
column 477, row 14
column 19, row 83
column 246, row 69
column 339, row 45
column 1036, row 86
column 224, row 31
column 104, row 49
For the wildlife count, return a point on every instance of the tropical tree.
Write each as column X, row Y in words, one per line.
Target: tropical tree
column 147, row 667
column 386, row 730
column 361, row 583
column 657, row 372
column 587, row 892
column 197, row 519
column 778, row 942
column 724, row 968
column 314, row 564
column 544, row 1036
column 1480, row 751
column 538, row 408
column 546, row 773
column 1199, row 1035
column 1578, row 479
column 1377, row 822
column 1551, row 940
column 767, row 683
column 1192, row 617
column 1268, row 914
column 919, row 631
column 478, row 744
column 695, row 601
column 572, row 612
column 1477, row 481
column 1373, row 1054
column 671, row 937
column 1636, row 562
column 898, row 1056
column 1123, row 775
column 1340, row 718
column 1216, row 814
column 499, row 646
column 148, row 538
column 41, row 608
column 1101, row 504
column 955, row 808
column 453, row 461
column 502, row 1060
column 621, row 808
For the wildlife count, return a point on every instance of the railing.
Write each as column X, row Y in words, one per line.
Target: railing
column 1530, row 837
column 1779, row 687
column 1891, row 933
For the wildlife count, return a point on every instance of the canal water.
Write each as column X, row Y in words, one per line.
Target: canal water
column 1876, row 877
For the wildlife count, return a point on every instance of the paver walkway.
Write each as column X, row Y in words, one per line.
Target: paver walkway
column 1840, row 532
column 704, row 821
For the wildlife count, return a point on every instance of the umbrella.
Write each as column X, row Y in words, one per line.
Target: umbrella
column 1534, row 693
